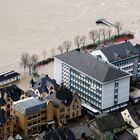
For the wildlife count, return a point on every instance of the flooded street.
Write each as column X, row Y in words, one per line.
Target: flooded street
column 38, row 25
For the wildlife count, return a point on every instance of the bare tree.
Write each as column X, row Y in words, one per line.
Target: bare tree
column 24, row 60
column 93, row 36
column 99, row 35
column 67, row 45
column 44, row 54
column 32, row 63
column 118, row 26
column 83, row 40
column 34, row 59
column 103, row 32
column 77, row 41
column 60, row 48
column 109, row 33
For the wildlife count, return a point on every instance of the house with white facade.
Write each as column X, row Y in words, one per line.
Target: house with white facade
column 123, row 55
column 100, row 85
column 9, row 77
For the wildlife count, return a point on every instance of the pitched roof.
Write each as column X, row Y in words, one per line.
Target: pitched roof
column 13, row 91
column 122, row 50
column 63, row 95
column 60, row 133
column 3, row 117
column 30, row 105
column 91, row 66
column 109, row 121
column 8, row 75
column 43, row 83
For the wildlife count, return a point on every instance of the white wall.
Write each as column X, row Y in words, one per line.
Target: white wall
column 98, row 52
column 108, row 92
column 58, row 70
column 107, row 95
column 123, row 93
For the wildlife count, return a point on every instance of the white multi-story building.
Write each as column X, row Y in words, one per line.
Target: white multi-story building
column 101, row 86
column 123, row 55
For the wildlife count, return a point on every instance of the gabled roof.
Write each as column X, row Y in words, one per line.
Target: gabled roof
column 3, row 117
column 13, row 91
column 91, row 66
column 43, row 83
column 123, row 50
column 59, row 133
column 62, row 95
column 109, row 121
column 8, row 75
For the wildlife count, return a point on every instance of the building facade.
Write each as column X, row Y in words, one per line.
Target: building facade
column 8, row 77
column 10, row 94
column 6, row 125
column 101, row 86
column 33, row 114
column 123, row 55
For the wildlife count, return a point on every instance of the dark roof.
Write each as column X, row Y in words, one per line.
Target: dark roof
column 59, row 133
column 79, row 130
column 43, row 83
column 31, row 93
column 2, row 101
column 91, row 66
column 134, row 114
column 109, row 121
column 62, row 95
column 125, row 135
column 3, row 117
column 13, row 91
column 8, row 75
column 137, row 46
column 119, row 51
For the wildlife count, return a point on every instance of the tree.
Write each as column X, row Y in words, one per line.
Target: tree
column 67, row 45
column 109, row 33
column 32, row 63
column 93, row 36
column 118, row 27
column 99, row 35
column 83, row 40
column 77, row 41
column 60, row 48
column 24, row 60
column 103, row 32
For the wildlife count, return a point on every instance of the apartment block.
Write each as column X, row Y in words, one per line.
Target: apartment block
column 100, row 85
column 123, row 55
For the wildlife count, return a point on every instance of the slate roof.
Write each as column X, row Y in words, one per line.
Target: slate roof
column 2, row 101
column 119, row 51
column 63, row 95
column 109, row 122
column 43, row 82
column 59, row 133
column 8, row 75
column 13, row 91
column 134, row 114
column 125, row 135
column 137, row 46
column 3, row 117
column 78, row 130
column 91, row 66
column 30, row 105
